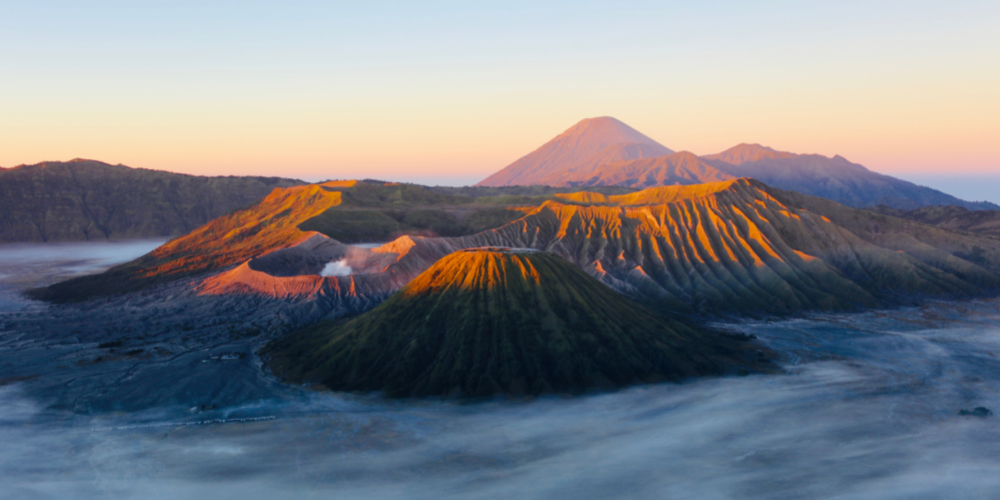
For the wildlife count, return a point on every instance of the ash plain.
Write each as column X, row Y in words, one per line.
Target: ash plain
column 160, row 395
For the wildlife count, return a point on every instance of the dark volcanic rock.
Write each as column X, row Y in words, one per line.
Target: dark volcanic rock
column 979, row 411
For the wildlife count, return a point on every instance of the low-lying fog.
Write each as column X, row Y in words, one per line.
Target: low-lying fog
column 868, row 409
column 27, row 265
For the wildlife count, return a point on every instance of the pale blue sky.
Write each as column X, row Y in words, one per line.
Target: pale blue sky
column 457, row 90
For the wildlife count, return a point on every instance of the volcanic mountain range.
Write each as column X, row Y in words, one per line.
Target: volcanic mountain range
column 604, row 151
column 489, row 289
column 540, row 315
column 727, row 247
column 83, row 200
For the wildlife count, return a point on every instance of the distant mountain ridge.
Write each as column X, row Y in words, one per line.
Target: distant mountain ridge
column 833, row 178
column 744, row 153
column 577, row 158
column 86, row 200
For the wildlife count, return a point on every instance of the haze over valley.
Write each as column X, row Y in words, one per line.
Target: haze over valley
column 870, row 399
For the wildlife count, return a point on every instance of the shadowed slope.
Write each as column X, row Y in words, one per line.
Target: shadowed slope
column 492, row 321
column 834, row 178
column 736, row 247
column 228, row 240
column 650, row 196
column 580, row 149
column 85, row 200
column 985, row 222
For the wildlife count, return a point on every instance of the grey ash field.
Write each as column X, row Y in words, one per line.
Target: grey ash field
column 868, row 408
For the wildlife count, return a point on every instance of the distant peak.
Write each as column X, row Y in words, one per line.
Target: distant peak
column 685, row 154
column 608, row 129
column 587, row 144
column 750, row 147
column 602, row 119
column 745, row 153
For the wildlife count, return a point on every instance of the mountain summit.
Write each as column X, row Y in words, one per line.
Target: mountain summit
column 578, row 150
column 606, row 152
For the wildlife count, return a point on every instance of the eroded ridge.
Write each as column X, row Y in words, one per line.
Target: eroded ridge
column 732, row 246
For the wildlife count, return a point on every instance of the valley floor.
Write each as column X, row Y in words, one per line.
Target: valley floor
column 162, row 396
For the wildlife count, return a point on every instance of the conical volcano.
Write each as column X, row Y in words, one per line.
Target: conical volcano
column 579, row 150
column 487, row 321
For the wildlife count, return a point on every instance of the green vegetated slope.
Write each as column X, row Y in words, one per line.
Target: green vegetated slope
column 488, row 321
column 376, row 211
column 971, row 259
column 528, row 192
column 984, row 222
column 84, row 200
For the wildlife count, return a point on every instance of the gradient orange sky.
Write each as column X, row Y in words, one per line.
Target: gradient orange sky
column 444, row 92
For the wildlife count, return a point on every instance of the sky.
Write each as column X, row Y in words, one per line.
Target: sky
column 449, row 92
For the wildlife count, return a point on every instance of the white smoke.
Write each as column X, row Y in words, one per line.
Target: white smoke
column 337, row 268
